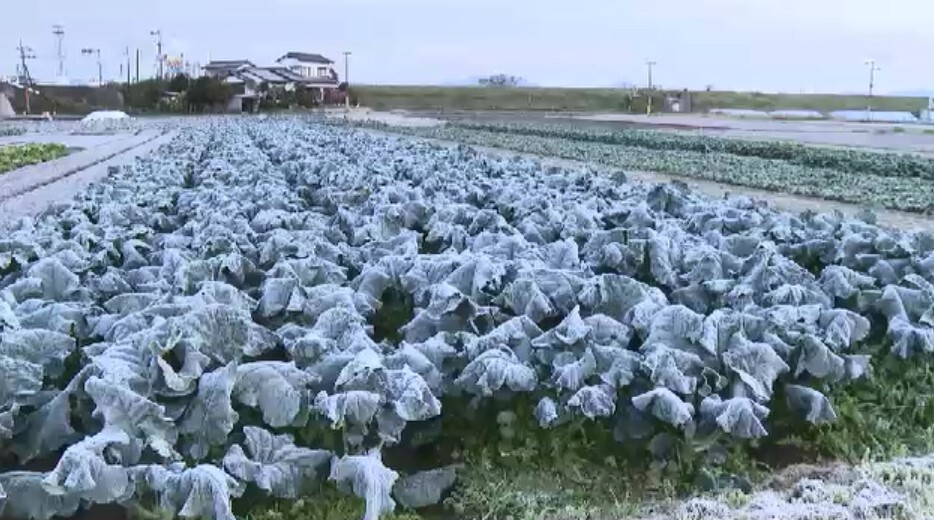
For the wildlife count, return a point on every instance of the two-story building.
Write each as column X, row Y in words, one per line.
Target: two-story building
column 308, row 65
column 295, row 71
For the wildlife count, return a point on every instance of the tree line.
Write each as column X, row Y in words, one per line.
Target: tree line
column 179, row 94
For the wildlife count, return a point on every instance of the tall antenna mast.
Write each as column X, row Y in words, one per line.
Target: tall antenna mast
column 59, row 32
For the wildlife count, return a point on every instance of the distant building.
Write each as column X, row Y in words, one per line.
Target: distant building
column 308, row 65
column 252, row 84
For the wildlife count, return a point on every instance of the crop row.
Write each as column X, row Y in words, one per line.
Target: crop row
column 902, row 193
column 10, row 130
column 17, row 156
column 846, row 160
column 264, row 303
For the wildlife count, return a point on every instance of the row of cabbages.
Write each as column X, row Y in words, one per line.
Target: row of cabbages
column 244, row 265
column 800, row 176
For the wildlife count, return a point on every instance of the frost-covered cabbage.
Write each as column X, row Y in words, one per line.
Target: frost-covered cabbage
column 167, row 324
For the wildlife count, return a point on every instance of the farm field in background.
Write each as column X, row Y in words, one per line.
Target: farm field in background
column 282, row 319
column 895, row 181
column 415, row 97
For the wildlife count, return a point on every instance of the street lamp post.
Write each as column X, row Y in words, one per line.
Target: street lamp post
column 347, row 78
column 871, row 63
column 100, row 68
column 159, row 58
column 648, row 106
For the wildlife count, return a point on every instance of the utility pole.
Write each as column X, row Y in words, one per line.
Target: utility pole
column 25, row 53
column 160, row 59
column 59, row 32
column 137, row 65
column 872, row 81
column 648, row 106
column 100, row 68
column 347, row 78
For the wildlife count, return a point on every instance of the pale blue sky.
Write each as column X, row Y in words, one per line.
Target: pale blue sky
column 768, row 45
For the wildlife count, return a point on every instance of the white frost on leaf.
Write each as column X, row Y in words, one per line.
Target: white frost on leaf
column 274, row 463
column 366, row 477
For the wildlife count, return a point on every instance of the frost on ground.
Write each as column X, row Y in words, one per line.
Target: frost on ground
column 205, row 320
column 397, row 118
column 900, row 489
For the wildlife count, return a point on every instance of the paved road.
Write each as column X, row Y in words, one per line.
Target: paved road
column 34, row 188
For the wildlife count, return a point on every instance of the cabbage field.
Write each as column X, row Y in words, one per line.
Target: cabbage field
column 265, row 305
column 885, row 180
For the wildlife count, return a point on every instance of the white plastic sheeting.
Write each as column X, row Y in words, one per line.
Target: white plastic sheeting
column 796, row 114
column 739, row 112
column 105, row 115
column 875, row 116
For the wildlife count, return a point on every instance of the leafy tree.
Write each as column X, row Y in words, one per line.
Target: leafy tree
column 501, row 80
column 145, row 95
column 207, row 94
column 179, row 83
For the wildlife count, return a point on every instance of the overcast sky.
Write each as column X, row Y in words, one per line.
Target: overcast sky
column 766, row 45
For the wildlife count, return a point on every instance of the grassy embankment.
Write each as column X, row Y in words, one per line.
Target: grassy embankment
column 414, row 97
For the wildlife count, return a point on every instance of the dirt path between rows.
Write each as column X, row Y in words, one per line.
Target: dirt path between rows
column 60, row 182
column 782, row 201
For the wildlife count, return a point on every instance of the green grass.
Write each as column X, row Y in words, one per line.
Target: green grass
column 887, row 415
column 486, row 98
column 325, row 503
column 415, row 97
column 819, row 102
column 17, row 156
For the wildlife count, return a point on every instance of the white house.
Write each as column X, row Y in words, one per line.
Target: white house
column 251, row 84
column 311, row 66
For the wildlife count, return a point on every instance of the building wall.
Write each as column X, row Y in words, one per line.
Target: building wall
column 308, row 70
column 235, row 105
column 6, row 109
column 69, row 99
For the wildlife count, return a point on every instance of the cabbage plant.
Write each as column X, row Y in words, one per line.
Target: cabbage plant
column 169, row 332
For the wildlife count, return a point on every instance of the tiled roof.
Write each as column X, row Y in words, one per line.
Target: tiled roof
column 306, row 57
column 227, row 64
